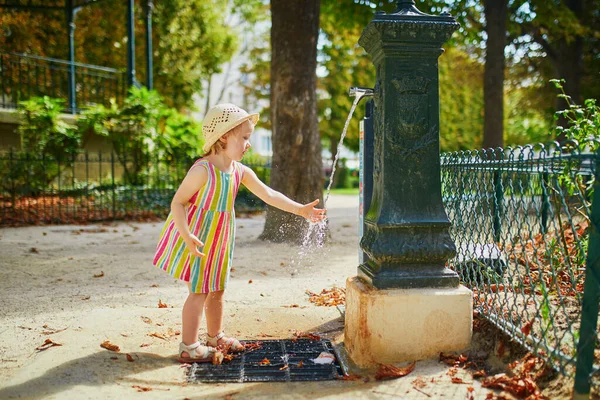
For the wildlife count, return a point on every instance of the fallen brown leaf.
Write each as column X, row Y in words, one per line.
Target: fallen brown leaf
column 100, row 275
column 109, row 346
column 306, row 335
column 47, row 344
column 161, row 304
column 252, row 346
column 52, row 331
column 419, row 382
column 479, row 374
column 142, row 388
column 386, row 371
column 526, row 329
column 328, row 297
column 283, row 368
column 459, row 380
column 129, row 357
column 265, row 361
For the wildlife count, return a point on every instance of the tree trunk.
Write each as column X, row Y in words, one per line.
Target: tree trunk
column 296, row 164
column 496, row 14
column 569, row 65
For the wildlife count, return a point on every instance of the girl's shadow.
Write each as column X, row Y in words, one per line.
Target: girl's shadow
column 93, row 370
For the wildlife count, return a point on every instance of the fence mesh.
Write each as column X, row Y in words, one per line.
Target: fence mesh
column 521, row 223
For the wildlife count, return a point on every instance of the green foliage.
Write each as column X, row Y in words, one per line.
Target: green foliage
column 44, row 136
column 583, row 121
column 178, row 136
column 525, row 121
column 43, row 132
column 129, row 128
column 144, row 129
column 191, row 39
column 193, row 42
column 461, row 101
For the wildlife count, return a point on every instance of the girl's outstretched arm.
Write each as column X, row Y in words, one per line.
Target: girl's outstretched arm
column 193, row 181
column 279, row 200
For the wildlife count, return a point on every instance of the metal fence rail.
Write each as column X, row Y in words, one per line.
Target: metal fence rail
column 24, row 76
column 36, row 189
column 521, row 219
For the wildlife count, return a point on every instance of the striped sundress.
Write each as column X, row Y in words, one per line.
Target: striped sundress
column 211, row 217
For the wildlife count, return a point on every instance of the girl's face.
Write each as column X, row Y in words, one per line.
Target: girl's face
column 238, row 142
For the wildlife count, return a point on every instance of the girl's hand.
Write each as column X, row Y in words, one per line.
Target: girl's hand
column 192, row 243
column 311, row 213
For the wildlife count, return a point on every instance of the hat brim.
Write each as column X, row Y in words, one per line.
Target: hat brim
column 251, row 117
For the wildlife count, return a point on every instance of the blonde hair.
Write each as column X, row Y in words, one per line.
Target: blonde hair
column 219, row 146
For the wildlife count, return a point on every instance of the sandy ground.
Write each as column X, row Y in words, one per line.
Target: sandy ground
column 48, row 291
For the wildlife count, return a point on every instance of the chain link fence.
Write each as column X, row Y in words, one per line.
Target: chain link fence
column 521, row 220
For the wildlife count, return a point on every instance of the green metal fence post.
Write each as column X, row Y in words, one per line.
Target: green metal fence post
column 591, row 294
column 545, row 203
column 497, row 211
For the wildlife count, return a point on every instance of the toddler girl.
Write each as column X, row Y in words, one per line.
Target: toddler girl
column 197, row 240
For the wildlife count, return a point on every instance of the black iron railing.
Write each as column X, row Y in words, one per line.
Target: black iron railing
column 25, row 76
column 37, row 189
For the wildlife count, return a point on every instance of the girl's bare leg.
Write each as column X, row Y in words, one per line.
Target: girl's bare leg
column 191, row 317
column 214, row 313
column 214, row 320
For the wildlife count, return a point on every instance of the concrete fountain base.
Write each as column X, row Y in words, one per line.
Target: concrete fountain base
column 398, row 325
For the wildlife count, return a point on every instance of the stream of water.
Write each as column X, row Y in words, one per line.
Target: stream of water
column 316, row 232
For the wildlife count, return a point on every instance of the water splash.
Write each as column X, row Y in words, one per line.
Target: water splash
column 317, row 232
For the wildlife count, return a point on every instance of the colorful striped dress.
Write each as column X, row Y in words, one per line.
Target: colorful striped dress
column 211, row 217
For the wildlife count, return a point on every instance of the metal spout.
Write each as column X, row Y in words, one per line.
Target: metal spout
column 360, row 92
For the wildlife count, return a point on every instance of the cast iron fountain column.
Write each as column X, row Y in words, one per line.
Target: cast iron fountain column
column 406, row 237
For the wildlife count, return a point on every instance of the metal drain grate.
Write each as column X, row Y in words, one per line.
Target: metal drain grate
column 289, row 360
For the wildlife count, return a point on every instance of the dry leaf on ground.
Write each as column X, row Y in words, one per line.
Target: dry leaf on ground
column 52, row 331
column 419, row 382
column 109, row 346
column 328, row 297
column 305, row 335
column 522, row 382
column 142, row 388
column 47, row 344
column 100, row 275
column 161, row 304
column 386, row 371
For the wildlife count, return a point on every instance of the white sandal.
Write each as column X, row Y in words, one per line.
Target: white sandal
column 199, row 354
column 231, row 344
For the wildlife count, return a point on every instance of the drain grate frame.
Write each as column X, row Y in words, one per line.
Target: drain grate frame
column 290, row 361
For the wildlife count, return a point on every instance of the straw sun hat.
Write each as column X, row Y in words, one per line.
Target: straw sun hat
column 221, row 119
